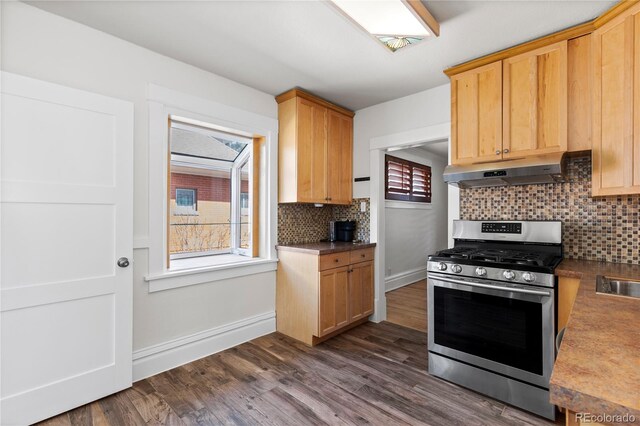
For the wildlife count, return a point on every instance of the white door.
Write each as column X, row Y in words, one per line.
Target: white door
column 66, row 217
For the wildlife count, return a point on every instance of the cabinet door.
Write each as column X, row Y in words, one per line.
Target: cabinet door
column 616, row 123
column 476, row 115
column 361, row 291
column 339, row 156
column 535, row 102
column 334, row 293
column 579, row 94
column 312, row 152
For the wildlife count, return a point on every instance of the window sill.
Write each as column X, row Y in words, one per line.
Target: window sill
column 215, row 270
column 393, row 204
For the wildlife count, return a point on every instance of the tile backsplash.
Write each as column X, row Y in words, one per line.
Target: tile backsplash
column 352, row 212
column 305, row 223
column 603, row 228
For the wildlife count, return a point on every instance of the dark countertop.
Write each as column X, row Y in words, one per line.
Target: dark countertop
column 598, row 366
column 325, row 247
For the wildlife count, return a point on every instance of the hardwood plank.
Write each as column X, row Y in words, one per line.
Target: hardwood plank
column 407, row 306
column 372, row 374
column 81, row 416
column 119, row 410
column 299, row 412
column 155, row 411
column 61, row 420
column 197, row 418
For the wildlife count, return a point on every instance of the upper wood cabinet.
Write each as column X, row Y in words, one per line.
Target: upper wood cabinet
column 535, row 102
column 616, row 93
column 339, row 157
column 511, row 108
column 315, row 150
column 476, row 115
column 579, row 94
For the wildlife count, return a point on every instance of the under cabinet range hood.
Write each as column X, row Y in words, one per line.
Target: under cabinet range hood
column 547, row 168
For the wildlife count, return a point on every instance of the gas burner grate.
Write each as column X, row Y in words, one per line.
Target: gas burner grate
column 456, row 253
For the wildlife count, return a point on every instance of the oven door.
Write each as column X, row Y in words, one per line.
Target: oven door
column 501, row 327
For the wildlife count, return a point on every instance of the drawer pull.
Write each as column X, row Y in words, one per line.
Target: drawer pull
column 363, row 255
column 336, row 260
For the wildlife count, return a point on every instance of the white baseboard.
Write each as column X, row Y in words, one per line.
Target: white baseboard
column 404, row 278
column 174, row 353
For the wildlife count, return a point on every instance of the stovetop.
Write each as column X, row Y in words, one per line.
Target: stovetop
column 517, row 257
column 506, row 245
column 523, row 259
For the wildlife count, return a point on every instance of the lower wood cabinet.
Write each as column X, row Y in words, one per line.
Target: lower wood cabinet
column 361, row 291
column 318, row 296
column 567, row 292
column 334, row 300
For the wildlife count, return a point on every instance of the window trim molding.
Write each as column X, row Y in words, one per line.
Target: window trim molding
column 163, row 103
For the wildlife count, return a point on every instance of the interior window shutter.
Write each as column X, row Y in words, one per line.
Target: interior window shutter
column 398, row 182
column 421, row 184
column 407, row 181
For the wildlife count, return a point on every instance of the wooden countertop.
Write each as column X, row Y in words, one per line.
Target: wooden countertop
column 325, row 247
column 597, row 369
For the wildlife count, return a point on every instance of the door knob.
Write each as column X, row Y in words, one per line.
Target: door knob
column 123, row 262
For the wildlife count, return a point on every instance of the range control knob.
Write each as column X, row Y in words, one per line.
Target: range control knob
column 442, row 266
column 481, row 272
column 529, row 277
column 509, row 275
column 456, row 268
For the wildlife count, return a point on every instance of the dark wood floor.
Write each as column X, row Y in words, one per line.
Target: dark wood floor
column 375, row 373
column 407, row 306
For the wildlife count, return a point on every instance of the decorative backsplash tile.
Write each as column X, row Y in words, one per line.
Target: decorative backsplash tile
column 305, row 223
column 603, row 228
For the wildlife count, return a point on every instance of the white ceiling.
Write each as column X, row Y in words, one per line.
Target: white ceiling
column 276, row 45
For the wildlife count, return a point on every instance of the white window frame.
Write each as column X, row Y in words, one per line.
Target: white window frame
column 244, row 157
column 164, row 103
column 236, row 209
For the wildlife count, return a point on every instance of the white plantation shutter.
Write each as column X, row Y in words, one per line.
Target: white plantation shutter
column 406, row 180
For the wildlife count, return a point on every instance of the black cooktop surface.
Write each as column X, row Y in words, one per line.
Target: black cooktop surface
column 514, row 258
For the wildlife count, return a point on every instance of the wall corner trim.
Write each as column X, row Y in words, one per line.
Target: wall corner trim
column 174, row 353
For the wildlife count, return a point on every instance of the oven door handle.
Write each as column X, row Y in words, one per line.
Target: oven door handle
column 493, row 287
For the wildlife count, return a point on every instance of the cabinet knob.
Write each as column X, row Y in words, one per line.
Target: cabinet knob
column 498, row 152
column 336, row 260
column 363, row 255
column 506, row 150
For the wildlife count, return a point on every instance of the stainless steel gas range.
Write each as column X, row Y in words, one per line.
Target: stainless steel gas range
column 492, row 310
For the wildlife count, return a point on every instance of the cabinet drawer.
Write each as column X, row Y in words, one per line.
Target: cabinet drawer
column 333, row 260
column 363, row 255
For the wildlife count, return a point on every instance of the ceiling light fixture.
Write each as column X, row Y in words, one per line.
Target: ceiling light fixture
column 394, row 23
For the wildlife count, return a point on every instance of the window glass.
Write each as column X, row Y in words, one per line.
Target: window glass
column 209, row 204
column 186, row 198
column 245, row 231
